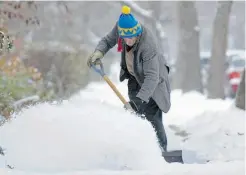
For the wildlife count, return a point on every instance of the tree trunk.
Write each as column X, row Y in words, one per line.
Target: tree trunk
column 216, row 79
column 155, row 28
column 187, row 76
column 240, row 96
column 239, row 36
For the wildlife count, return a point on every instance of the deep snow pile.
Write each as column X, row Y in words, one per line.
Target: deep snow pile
column 84, row 136
column 92, row 132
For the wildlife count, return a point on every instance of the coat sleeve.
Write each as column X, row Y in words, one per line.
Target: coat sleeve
column 151, row 73
column 109, row 41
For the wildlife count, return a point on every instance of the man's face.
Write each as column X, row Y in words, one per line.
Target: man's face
column 130, row 41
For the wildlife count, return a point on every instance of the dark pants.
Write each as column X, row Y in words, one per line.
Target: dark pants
column 152, row 113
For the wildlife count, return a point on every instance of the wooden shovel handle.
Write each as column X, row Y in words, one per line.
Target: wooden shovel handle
column 102, row 73
column 115, row 89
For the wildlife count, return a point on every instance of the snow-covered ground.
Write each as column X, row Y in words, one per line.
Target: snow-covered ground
column 92, row 134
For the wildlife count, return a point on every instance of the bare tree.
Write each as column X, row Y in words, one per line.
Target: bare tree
column 17, row 18
column 156, row 26
column 187, row 76
column 240, row 96
column 219, row 45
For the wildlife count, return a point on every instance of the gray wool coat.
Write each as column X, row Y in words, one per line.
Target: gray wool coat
column 150, row 67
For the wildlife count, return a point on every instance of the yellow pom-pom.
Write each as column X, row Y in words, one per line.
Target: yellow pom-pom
column 126, row 10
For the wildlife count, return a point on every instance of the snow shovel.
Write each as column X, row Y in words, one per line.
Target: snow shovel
column 169, row 156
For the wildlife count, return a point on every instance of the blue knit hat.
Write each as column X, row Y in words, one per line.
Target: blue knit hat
column 128, row 26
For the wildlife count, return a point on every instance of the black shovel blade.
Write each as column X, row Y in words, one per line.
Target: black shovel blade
column 173, row 156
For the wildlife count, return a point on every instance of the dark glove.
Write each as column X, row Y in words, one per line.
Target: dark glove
column 95, row 58
column 139, row 109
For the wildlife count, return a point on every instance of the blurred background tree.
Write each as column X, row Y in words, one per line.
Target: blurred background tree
column 187, row 76
column 240, row 95
column 216, row 79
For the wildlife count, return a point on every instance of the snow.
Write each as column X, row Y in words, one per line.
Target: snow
column 34, row 98
column 235, row 81
column 240, row 53
column 229, row 52
column 160, row 29
column 92, row 134
column 197, row 28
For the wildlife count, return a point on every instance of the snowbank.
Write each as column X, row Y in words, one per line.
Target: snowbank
column 92, row 134
column 85, row 136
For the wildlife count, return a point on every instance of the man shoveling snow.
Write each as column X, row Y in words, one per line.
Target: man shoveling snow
column 146, row 70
